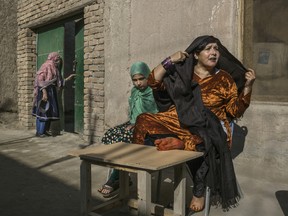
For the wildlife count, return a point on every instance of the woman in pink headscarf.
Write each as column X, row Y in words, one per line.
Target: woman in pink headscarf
column 45, row 104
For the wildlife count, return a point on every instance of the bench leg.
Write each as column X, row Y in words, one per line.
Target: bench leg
column 85, row 188
column 207, row 201
column 179, row 189
column 156, row 188
column 124, row 184
column 109, row 173
column 144, row 193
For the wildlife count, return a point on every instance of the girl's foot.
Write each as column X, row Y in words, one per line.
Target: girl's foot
column 109, row 189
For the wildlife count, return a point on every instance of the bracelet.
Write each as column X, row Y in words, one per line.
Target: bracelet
column 167, row 63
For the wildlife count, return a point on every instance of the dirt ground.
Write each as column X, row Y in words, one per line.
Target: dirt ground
column 38, row 176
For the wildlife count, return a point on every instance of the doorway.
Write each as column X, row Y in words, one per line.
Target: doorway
column 67, row 38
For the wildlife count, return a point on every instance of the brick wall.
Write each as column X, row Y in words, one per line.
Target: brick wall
column 36, row 13
column 94, row 72
column 26, row 66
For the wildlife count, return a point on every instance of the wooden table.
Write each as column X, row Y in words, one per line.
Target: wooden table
column 139, row 159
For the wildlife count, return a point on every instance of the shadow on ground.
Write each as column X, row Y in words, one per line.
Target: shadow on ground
column 27, row 192
column 282, row 197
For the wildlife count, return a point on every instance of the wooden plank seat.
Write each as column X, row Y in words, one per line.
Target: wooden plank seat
column 139, row 159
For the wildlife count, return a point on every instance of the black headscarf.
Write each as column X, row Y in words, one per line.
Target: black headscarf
column 186, row 96
column 226, row 62
column 178, row 81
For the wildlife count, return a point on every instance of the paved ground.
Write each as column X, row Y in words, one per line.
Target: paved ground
column 37, row 177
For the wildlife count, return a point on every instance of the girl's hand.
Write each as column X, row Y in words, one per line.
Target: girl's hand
column 129, row 127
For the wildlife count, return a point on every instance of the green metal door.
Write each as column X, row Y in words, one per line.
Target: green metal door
column 79, row 80
column 49, row 40
column 52, row 40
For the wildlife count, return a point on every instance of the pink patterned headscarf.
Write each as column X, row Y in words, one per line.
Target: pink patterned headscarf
column 49, row 70
column 53, row 56
column 48, row 73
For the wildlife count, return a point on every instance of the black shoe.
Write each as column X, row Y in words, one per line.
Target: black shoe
column 40, row 135
column 48, row 133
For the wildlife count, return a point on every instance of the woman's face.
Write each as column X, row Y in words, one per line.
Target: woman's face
column 58, row 61
column 209, row 56
column 139, row 81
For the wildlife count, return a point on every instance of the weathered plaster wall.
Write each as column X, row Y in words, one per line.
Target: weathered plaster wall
column 117, row 19
column 151, row 30
column 8, row 68
column 266, row 143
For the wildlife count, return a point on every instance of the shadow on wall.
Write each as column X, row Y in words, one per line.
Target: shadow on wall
column 282, row 197
column 7, row 105
column 93, row 119
column 239, row 135
column 92, row 122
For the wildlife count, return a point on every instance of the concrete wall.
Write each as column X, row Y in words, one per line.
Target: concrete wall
column 8, row 68
column 151, row 30
column 266, row 143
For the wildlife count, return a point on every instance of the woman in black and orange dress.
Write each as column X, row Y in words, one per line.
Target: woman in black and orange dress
column 197, row 99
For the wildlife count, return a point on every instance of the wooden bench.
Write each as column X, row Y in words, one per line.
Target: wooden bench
column 139, row 159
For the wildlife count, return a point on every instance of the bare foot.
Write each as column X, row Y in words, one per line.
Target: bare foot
column 197, row 204
column 169, row 143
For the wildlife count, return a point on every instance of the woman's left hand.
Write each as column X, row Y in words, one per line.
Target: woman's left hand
column 44, row 95
column 70, row 77
column 250, row 77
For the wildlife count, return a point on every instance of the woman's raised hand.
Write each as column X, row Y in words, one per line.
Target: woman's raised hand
column 179, row 56
column 250, row 77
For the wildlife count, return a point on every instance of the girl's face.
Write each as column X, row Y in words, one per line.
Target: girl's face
column 209, row 56
column 139, row 81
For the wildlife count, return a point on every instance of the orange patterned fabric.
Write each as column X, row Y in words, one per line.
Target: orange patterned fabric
column 163, row 123
column 219, row 94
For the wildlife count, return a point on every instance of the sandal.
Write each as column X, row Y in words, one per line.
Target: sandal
column 109, row 189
